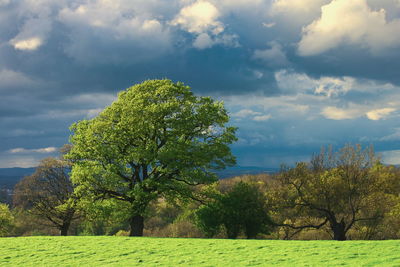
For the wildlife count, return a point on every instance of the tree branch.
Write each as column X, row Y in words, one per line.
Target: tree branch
column 303, row 226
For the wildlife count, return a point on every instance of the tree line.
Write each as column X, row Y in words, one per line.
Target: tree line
column 145, row 166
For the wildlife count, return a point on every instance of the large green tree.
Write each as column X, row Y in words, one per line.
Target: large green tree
column 157, row 139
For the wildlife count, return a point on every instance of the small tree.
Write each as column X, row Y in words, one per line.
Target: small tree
column 6, row 220
column 49, row 194
column 339, row 189
column 157, row 139
column 243, row 209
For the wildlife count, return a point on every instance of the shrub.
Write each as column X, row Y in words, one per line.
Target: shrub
column 243, row 209
column 6, row 220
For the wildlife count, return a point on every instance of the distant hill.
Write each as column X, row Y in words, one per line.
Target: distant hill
column 9, row 177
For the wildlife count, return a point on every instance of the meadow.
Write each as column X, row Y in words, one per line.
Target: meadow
column 145, row 251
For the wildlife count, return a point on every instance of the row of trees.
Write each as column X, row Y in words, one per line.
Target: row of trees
column 351, row 195
column 158, row 141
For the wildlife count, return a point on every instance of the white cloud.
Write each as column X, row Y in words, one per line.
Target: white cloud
column 289, row 81
column 27, row 44
column 269, row 25
column 33, row 34
column 245, row 113
column 392, row 137
column 4, row 2
column 202, row 19
column 349, row 22
column 18, row 161
column 36, row 23
column 328, row 86
column 229, row 40
column 335, row 98
column 378, row 114
column 115, row 26
column 203, row 41
column 199, row 17
column 332, row 86
column 296, row 12
column 251, row 114
column 262, row 117
column 280, row 107
column 355, row 111
column 273, row 56
column 296, row 6
column 38, row 150
column 391, row 157
column 238, row 3
column 335, row 113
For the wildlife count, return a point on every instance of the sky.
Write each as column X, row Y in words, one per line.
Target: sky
column 295, row 75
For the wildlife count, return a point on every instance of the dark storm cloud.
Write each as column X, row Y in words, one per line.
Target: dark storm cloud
column 62, row 61
column 351, row 61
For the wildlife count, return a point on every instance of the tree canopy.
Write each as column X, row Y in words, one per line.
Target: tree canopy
column 49, row 193
column 241, row 210
column 6, row 220
column 156, row 139
column 338, row 189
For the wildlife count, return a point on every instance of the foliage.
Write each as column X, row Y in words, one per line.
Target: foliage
column 388, row 226
column 167, row 218
column 105, row 217
column 28, row 224
column 171, row 218
column 6, row 220
column 157, row 139
column 48, row 193
column 243, row 209
column 340, row 190
column 123, row 251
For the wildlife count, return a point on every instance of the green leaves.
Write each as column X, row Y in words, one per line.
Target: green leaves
column 342, row 188
column 6, row 220
column 156, row 139
column 243, row 209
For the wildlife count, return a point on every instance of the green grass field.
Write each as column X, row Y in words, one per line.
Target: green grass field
column 124, row 251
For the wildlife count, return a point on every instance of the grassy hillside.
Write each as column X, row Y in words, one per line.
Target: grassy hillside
column 124, row 251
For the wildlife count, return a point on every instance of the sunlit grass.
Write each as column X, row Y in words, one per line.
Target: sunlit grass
column 125, row 251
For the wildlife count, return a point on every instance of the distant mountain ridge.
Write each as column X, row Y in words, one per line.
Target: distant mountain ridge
column 9, row 177
column 16, row 171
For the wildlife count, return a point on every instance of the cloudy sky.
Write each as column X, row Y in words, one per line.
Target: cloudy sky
column 294, row 74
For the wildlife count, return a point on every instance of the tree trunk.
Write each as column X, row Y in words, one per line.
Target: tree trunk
column 339, row 232
column 64, row 228
column 137, row 225
column 231, row 231
column 251, row 234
